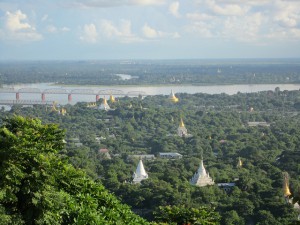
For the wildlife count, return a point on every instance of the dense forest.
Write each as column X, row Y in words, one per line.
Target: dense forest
column 149, row 72
column 221, row 133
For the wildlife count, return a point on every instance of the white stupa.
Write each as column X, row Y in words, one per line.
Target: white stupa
column 201, row 178
column 140, row 173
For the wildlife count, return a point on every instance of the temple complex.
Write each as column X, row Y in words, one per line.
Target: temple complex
column 140, row 173
column 173, row 98
column 201, row 178
column 104, row 105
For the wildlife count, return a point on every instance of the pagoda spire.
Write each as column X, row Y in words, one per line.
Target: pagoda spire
column 240, row 163
column 181, row 123
column 286, row 189
column 140, row 173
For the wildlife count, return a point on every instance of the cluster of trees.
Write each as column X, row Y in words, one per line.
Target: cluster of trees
column 220, row 133
column 199, row 72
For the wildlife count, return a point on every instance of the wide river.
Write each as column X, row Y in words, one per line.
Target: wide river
column 150, row 90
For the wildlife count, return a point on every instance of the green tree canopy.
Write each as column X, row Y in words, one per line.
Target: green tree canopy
column 37, row 186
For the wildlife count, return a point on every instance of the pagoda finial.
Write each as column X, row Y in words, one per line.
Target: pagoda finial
column 286, row 189
column 240, row 163
column 181, row 123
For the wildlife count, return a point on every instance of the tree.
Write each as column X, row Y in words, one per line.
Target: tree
column 39, row 187
column 186, row 215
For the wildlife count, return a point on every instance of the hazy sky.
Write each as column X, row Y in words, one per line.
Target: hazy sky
column 149, row 29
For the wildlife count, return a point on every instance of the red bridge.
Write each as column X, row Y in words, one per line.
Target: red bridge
column 69, row 93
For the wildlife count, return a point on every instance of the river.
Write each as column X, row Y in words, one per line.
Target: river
column 150, row 90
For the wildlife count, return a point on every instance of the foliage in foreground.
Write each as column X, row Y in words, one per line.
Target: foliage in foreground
column 39, row 187
column 187, row 215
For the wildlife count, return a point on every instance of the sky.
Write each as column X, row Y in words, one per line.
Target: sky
column 148, row 29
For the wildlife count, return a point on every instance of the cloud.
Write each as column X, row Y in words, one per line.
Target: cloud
column 287, row 14
column 44, row 18
column 244, row 30
column 147, row 2
column 174, row 9
column 114, row 3
column 89, row 34
column 51, row 29
column 227, row 9
column 54, row 29
column 121, row 32
column 14, row 21
column 65, row 29
column 199, row 16
column 16, row 28
column 151, row 33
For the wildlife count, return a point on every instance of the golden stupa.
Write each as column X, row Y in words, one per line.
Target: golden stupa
column 173, row 98
column 104, row 102
column 286, row 189
column 63, row 111
column 112, row 98
column 240, row 163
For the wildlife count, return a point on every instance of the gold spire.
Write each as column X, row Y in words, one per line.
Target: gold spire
column 286, row 190
column 181, row 123
column 104, row 101
column 112, row 98
column 240, row 163
column 173, row 98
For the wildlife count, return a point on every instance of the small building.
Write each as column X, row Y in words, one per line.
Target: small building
column 170, row 155
column 140, row 173
column 227, row 187
column 255, row 124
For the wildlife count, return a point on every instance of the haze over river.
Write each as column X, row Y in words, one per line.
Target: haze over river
column 150, row 90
